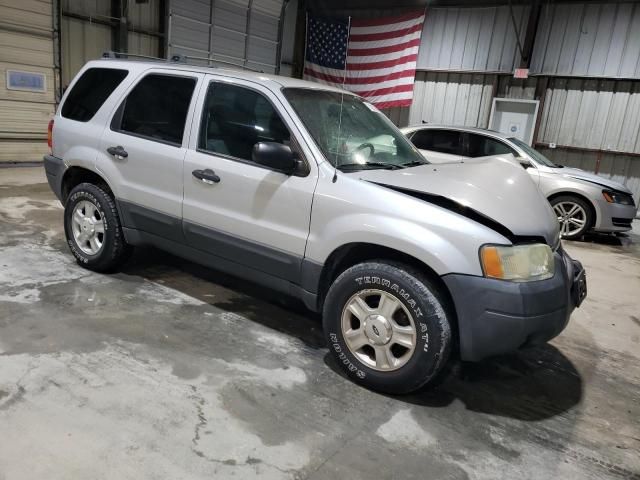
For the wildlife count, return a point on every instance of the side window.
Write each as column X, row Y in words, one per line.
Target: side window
column 235, row 118
column 90, row 91
column 481, row 146
column 156, row 108
column 443, row 141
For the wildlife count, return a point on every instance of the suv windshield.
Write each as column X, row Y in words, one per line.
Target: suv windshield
column 352, row 133
column 536, row 155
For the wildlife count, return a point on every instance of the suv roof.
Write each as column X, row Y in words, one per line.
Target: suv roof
column 276, row 81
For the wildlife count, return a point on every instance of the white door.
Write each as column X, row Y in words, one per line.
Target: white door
column 145, row 147
column 242, row 211
column 439, row 145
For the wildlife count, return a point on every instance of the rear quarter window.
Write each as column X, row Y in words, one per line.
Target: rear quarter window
column 90, row 92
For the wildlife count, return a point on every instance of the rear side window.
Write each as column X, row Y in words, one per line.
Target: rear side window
column 481, row 146
column 443, row 141
column 90, row 92
column 156, row 108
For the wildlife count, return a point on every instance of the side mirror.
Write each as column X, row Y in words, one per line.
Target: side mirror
column 525, row 162
column 276, row 156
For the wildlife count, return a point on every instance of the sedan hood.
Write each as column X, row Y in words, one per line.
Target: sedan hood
column 495, row 187
column 591, row 178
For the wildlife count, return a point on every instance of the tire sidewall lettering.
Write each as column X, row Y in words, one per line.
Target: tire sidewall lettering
column 384, row 283
column 400, row 292
column 343, row 358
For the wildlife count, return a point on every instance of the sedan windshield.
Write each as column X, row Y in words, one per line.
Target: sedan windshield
column 352, row 134
column 536, row 155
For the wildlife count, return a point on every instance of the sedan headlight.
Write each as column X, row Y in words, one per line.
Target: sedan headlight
column 519, row 263
column 617, row 197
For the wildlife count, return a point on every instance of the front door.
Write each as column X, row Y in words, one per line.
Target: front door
column 145, row 145
column 241, row 211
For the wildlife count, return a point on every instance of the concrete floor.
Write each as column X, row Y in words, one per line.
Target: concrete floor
column 168, row 370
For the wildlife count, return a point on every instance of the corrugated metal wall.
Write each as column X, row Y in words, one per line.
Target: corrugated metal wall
column 594, row 114
column 87, row 39
column 509, row 87
column 239, row 32
column 81, row 41
column 471, row 39
column 287, row 59
column 26, row 45
column 149, row 17
column 452, row 98
column 589, row 39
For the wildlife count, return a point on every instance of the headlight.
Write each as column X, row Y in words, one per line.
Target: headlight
column 617, row 197
column 520, row 263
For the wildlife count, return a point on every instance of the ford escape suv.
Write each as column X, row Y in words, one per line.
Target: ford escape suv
column 312, row 192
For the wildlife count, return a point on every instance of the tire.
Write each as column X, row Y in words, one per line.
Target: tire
column 571, row 211
column 420, row 305
column 101, row 218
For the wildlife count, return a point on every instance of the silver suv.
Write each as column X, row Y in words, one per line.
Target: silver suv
column 312, row 192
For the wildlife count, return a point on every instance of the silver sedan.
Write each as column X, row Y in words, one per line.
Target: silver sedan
column 582, row 201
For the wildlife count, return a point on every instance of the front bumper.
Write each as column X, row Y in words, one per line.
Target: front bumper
column 497, row 316
column 54, row 167
column 615, row 217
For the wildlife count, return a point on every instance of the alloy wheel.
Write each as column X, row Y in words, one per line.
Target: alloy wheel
column 378, row 330
column 87, row 227
column 572, row 218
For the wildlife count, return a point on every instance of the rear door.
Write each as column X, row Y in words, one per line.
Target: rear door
column 144, row 148
column 477, row 145
column 439, row 145
column 251, row 215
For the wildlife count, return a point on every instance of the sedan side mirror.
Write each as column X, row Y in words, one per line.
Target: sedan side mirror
column 276, row 156
column 525, row 162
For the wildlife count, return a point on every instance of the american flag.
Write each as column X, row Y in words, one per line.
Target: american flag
column 374, row 58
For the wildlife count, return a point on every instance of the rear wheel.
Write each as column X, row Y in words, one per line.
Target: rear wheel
column 93, row 229
column 387, row 326
column 574, row 216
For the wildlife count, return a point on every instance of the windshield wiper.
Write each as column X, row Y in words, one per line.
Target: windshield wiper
column 415, row 163
column 356, row 166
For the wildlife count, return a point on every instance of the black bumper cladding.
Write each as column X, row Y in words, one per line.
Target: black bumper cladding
column 579, row 287
column 54, row 168
column 497, row 317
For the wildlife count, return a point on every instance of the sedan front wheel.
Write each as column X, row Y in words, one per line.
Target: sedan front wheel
column 574, row 216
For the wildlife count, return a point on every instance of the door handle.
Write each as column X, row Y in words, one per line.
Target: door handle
column 207, row 176
column 118, row 152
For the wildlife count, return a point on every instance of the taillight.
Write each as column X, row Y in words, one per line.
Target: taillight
column 50, row 136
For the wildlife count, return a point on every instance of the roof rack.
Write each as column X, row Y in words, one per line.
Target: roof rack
column 175, row 59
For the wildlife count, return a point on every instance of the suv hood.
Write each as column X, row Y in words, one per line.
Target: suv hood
column 495, row 187
column 591, row 178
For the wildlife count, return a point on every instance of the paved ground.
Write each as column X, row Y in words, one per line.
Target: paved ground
column 168, row 370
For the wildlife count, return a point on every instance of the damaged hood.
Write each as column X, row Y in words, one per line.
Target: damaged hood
column 591, row 178
column 495, row 187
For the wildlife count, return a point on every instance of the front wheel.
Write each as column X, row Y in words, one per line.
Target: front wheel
column 388, row 326
column 574, row 215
